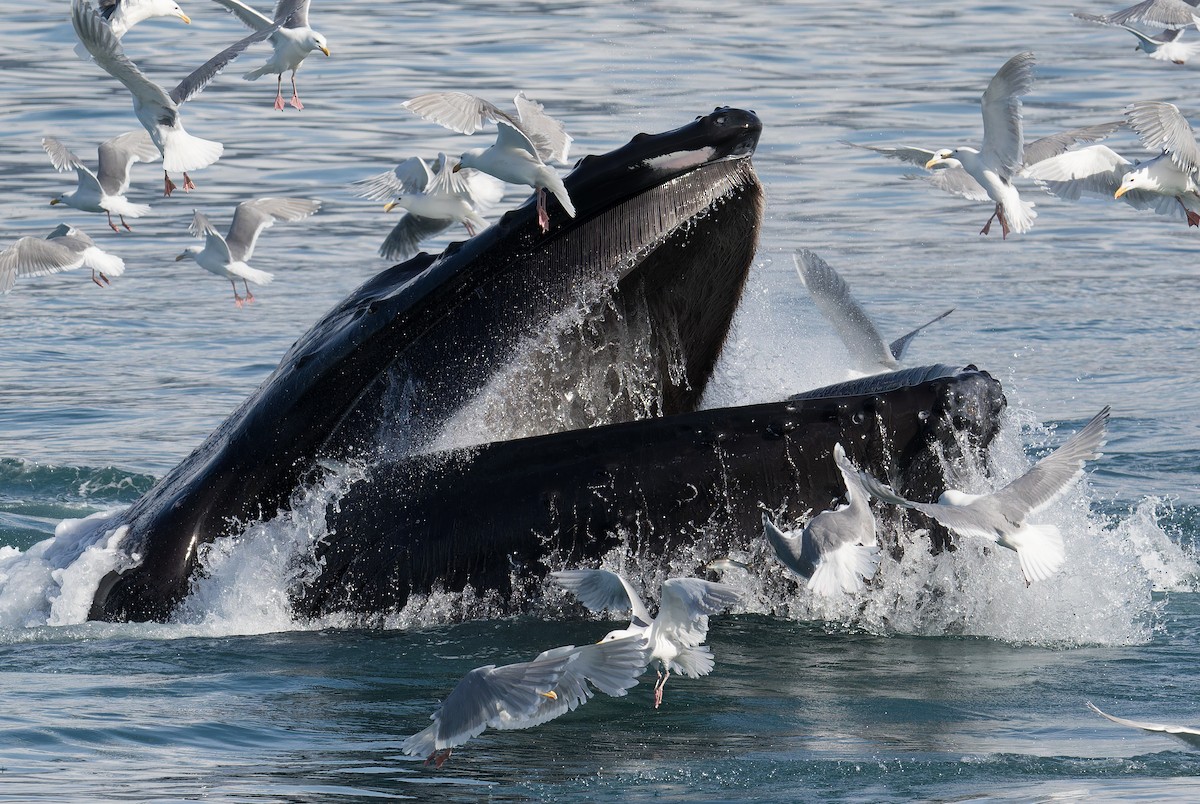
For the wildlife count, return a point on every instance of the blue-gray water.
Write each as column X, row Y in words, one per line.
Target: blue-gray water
column 976, row 695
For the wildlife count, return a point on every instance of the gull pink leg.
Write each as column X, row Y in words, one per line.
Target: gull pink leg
column 543, row 215
column 279, row 94
column 295, row 95
column 168, row 185
column 112, row 225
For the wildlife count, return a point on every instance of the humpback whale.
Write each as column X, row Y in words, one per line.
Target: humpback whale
column 603, row 332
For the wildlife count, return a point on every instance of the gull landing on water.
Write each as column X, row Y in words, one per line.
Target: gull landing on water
column 836, row 550
column 527, row 694
column 1000, row 516
column 63, row 249
column 104, row 190
column 293, row 41
column 524, row 144
column 157, row 110
column 676, row 636
column 435, row 198
column 229, row 256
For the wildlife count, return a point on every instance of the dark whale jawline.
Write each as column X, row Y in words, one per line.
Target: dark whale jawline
column 481, row 516
column 443, row 324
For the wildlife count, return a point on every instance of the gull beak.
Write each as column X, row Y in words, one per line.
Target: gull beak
column 54, row 201
column 389, row 206
column 182, row 256
column 324, row 50
column 552, row 695
column 937, row 160
column 186, row 19
column 1120, row 192
column 457, row 167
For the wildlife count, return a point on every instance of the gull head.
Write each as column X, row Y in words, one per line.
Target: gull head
column 943, row 157
column 469, row 159
column 189, row 253
column 390, row 205
column 620, row 633
column 1136, row 180
column 317, row 42
column 166, row 8
column 56, row 200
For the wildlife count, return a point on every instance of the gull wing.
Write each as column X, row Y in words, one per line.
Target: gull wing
column 292, row 13
column 457, row 111
column 1003, row 145
column 409, row 232
column 1188, row 735
column 203, row 75
column 685, row 605
column 510, row 137
column 443, row 179
column 957, row 181
column 790, row 548
column 1052, row 475
column 961, row 519
column 71, row 237
column 251, row 18
column 600, row 589
column 34, row 256
column 1167, row 13
column 484, row 191
column 900, row 345
column 486, row 694
column 1055, row 144
column 251, row 217
column 833, row 298
column 1161, row 127
column 118, row 154
column 213, row 240
column 60, row 155
column 410, row 176
column 905, row 153
column 548, row 135
column 96, row 37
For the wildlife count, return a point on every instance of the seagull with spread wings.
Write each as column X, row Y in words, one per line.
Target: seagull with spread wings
column 676, row 635
column 527, row 694
column 1167, row 13
column 229, row 256
column 104, row 190
column 291, row 37
column 1165, row 46
column 524, row 143
column 1001, row 516
column 1174, row 172
column 62, row 250
column 435, row 197
column 156, row 109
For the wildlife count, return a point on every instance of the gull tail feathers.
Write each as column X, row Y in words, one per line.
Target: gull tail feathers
column 1040, row 551
column 1020, row 215
column 129, row 210
column 107, row 264
column 259, row 72
column 252, row 274
column 693, row 662
column 844, row 570
column 555, row 185
column 183, row 152
column 423, row 743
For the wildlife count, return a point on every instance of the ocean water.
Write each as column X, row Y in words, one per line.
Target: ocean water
column 948, row 680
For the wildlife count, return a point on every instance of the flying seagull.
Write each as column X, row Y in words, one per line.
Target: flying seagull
column 157, row 110
column 435, row 198
column 524, row 143
column 833, row 298
column 676, row 635
column 229, row 256
column 1000, row 516
column 1167, row 13
column 1165, row 46
column 293, row 41
column 1186, row 735
column 104, row 190
column 526, row 694
column 837, row 548
column 122, row 15
column 61, row 250
column 1162, row 127
column 1099, row 171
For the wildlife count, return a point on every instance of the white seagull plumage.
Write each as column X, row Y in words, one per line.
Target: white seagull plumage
column 1185, row 734
column 523, row 143
column 526, row 694
column 1162, row 127
column 157, row 110
column 63, row 249
column 1167, row 13
column 435, row 197
column 293, row 41
column 122, row 15
column 104, row 190
column 229, row 256
column 1165, row 46
column 676, row 635
column 837, row 549
column 857, row 331
column 1001, row 516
